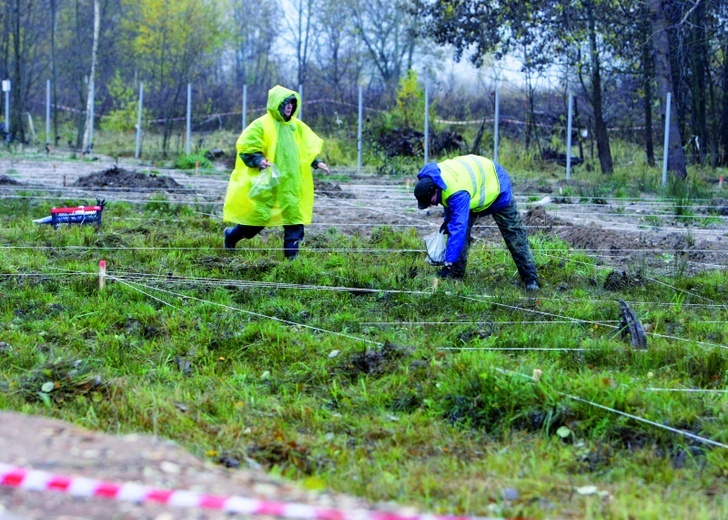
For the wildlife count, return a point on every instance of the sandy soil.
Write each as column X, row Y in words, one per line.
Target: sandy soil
column 56, row 447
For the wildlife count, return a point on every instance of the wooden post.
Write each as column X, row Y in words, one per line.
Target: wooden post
column 102, row 274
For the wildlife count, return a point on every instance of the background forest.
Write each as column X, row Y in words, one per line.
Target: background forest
column 620, row 58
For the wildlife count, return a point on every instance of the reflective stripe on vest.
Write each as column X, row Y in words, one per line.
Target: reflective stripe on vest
column 460, row 174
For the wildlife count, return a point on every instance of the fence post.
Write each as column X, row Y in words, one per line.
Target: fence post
column 496, row 117
column 427, row 122
column 48, row 113
column 245, row 105
column 359, row 143
column 6, row 89
column 568, row 135
column 667, row 139
column 189, row 119
column 300, row 109
column 138, row 149
column 91, row 129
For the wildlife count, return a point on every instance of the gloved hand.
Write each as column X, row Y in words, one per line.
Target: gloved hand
column 443, row 228
column 445, row 272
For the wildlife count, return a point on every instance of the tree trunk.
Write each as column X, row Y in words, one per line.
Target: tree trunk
column 475, row 150
column 699, row 66
column 87, row 145
column 723, row 158
column 663, row 72
column 600, row 126
column 647, row 78
column 54, row 70
column 16, row 124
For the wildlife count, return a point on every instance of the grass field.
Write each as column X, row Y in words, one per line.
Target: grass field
column 352, row 369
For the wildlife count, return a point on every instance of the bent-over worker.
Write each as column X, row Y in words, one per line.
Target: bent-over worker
column 469, row 187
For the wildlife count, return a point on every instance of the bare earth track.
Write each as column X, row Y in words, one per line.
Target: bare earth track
column 619, row 233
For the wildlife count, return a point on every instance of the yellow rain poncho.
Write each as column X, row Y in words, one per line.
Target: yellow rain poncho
column 291, row 146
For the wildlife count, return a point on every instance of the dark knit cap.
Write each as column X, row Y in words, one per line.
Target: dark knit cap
column 424, row 190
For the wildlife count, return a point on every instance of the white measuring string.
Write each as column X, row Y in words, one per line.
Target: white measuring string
column 655, row 280
column 526, row 349
column 579, row 320
column 145, row 293
column 625, row 414
column 217, row 282
column 381, row 211
column 429, row 293
column 481, row 322
column 250, row 313
column 687, row 390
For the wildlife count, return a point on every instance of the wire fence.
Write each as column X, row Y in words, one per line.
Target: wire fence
column 559, row 136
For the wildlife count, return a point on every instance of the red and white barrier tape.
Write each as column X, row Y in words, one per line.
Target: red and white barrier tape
column 13, row 476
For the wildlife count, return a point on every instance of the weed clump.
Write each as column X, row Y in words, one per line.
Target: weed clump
column 375, row 361
column 621, row 280
column 493, row 403
column 60, row 381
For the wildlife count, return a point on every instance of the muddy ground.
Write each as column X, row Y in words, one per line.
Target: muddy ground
column 621, row 234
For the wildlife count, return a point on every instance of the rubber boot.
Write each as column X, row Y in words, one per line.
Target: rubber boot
column 233, row 235
column 292, row 236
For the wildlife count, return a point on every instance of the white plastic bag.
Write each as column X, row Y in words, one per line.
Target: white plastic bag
column 265, row 181
column 436, row 244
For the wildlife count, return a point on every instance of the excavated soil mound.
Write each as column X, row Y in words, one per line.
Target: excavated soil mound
column 620, row 280
column 537, row 219
column 116, row 177
column 4, row 179
column 331, row 190
column 595, row 237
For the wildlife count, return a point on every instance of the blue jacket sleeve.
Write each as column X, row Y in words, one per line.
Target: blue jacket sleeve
column 457, row 225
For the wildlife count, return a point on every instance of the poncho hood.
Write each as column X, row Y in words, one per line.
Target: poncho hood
column 276, row 96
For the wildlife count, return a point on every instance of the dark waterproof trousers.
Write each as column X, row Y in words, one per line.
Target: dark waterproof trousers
column 514, row 234
column 292, row 236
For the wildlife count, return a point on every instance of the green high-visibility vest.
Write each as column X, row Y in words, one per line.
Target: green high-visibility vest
column 473, row 174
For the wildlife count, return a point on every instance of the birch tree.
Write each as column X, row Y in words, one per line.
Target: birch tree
column 87, row 145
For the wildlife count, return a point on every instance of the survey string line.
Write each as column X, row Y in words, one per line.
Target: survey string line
column 516, row 349
column 495, row 322
column 544, row 252
column 181, row 279
column 578, row 320
column 146, row 293
column 687, row 390
column 652, row 279
column 512, row 307
column 256, row 314
column 665, row 427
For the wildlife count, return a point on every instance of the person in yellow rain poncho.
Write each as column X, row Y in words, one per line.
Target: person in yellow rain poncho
column 272, row 183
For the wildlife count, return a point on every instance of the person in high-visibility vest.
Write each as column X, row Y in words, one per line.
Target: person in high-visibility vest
column 272, row 183
column 468, row 187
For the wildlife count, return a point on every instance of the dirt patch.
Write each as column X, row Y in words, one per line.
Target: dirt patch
column 537, row 219
column 116, row 177
column 594, row 237
column 58, row 447
column 375, row 361
column 331, row 190
column 621, row 280
column 4, row 179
